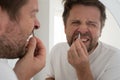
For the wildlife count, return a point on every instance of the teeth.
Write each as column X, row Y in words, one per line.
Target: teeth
column 84, row 40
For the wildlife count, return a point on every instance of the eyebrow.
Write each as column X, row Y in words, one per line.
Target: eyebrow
column 75, row 20
column 35, row 10
column 88, row 21
column 94, row 22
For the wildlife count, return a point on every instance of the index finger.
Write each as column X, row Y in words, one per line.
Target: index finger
column 83, row 47
column 41, row 51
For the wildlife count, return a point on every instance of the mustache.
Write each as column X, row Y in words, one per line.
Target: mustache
column 76, row 33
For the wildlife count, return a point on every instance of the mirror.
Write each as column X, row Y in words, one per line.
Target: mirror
column 111, row 29
column 113, row 6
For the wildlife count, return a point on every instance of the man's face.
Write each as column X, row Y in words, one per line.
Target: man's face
column 86, row 21
column 16, row 33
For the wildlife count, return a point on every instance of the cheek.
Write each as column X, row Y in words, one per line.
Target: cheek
column 69, row 34
column 96, row 33
column 27, row 27
column 27, row 23
column 70, row 31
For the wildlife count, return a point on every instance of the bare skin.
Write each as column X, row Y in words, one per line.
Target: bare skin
column 89, row 26
column 15, row 33
column 31, row 63
column 78, row 58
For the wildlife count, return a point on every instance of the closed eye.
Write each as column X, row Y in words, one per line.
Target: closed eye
column 92, row 24
column 76, row 23
column 34, row 12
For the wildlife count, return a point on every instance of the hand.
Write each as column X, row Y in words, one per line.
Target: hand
column 78, row 58
column 33, row 61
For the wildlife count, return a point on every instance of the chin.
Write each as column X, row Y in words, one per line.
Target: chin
column 21, row 53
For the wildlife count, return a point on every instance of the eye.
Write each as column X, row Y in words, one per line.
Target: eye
column 34, row 13
column 92, row 24
column 75, row 23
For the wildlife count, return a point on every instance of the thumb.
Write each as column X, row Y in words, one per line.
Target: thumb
column 31, row 47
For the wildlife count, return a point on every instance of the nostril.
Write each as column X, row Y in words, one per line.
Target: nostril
column 36, row 27
column 36, row 24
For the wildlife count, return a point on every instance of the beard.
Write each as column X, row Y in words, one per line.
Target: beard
column 11, row 49
column 92, row 43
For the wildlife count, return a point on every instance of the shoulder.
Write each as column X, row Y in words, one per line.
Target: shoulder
column 59, row 49
column 109, row 48
column 61, row 46
column 113, row 52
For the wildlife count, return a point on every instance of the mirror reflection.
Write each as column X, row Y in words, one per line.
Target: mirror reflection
column 109, row 35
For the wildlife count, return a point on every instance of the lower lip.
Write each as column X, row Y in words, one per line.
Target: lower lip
column 86, row 42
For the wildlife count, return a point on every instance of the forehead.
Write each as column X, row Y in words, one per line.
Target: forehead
column 31, row 4
column 83, row 11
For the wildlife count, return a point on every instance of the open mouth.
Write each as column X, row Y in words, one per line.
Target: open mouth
column 84, row 39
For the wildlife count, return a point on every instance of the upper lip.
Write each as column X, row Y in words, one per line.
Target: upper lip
column 82, row 38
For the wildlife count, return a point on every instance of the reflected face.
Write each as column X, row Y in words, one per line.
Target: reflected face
column 86, row 21
column 15, row 33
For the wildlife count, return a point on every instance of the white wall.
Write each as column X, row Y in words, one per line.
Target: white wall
column 111, row 31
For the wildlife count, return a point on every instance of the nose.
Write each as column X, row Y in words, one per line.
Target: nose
column 37, row 24
column 83, row 28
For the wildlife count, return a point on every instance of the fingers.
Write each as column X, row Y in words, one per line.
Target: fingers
column 34, row 58
column 77, row 55
column 78, row 49
column 72, row 54
column 84, row 48
column 40, row 53
column 35, row 48
column 40, row 49
column 31, row 47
